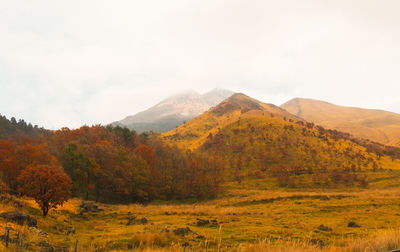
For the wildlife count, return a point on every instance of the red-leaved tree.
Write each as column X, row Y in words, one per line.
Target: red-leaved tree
column 48, row 185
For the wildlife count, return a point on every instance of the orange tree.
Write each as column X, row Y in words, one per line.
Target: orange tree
column 48, row 185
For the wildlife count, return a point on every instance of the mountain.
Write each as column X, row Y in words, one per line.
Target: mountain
column 255, row 140
column 174, row 111
column 195, row 132
column 376, row 125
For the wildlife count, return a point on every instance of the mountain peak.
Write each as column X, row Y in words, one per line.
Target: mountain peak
column 186, row 93
column 237, row 101
column 174, row 110
column 195, row 132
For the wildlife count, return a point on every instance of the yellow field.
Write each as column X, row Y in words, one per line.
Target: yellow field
column 245, row 220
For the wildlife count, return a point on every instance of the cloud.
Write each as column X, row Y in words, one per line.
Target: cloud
column 88, row 62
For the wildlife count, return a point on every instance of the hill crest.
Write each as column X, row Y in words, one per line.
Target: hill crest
column 377, row 125
column 238, row 106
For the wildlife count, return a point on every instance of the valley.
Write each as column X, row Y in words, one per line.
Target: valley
column 242, row 176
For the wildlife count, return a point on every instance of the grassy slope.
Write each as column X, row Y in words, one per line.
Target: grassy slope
column 377, row 125
column 194, row 133
column 269, row 219
column 264, row 137
column 278, row 143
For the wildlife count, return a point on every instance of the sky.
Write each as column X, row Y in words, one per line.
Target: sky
column 70, row 63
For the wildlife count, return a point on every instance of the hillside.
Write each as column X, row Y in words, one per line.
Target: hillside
column 173, row 111
column 376, row 125
column 256, row 140
column 194, row 133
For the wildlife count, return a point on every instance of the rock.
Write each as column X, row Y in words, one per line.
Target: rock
column 322, row 227
column 200, row 237
column 353, row 224
column 297, row 202
column 131, row 220
column 89, row 207
column 214, row 223
column 317, row 242
column 143, row 220
column 201, row 223
column 324, row 198
column 182, row 231
column 62, row 229
column 20, row 218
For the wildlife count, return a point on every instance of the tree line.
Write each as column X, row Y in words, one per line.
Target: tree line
column 106, row 164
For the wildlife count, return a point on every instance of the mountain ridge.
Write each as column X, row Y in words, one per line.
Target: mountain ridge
column 173, row 111
column 255, row 140
column 195, row 132
column 374, row 124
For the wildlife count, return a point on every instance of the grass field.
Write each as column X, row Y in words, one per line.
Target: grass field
column 242, row 219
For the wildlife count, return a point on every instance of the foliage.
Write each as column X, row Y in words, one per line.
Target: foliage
column 48, row 185
column 14, row 157
column 113, row 164
column 295, row 155
column 20, row 128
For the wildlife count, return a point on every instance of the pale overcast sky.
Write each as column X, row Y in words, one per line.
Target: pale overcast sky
column 68, row 63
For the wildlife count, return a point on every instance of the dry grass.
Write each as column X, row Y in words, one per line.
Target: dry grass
column 382, row 240
column 377, row 125
column 249, row 220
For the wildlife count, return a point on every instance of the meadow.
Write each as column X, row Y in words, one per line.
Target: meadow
column 246, row 217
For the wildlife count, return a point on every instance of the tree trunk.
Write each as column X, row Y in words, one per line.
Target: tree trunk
column 45, row 209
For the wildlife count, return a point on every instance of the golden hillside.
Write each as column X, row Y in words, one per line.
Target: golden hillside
column 194, row 133
column 376, row 125
column 253, row 140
